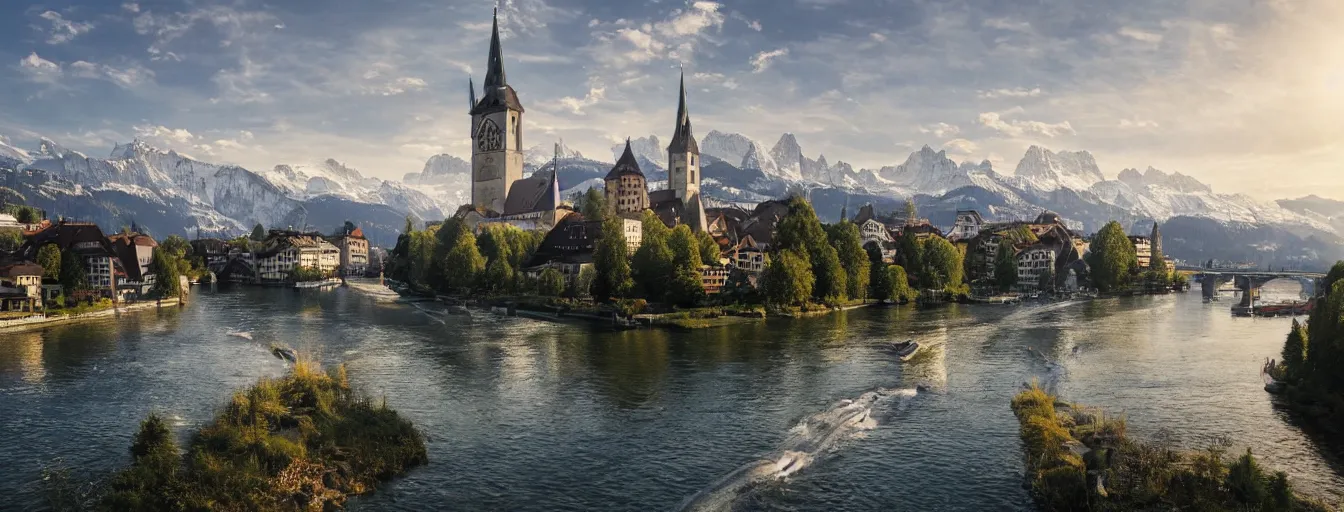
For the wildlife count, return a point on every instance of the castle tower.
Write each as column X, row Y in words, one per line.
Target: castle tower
column 1156, row 240
column 683, row 165
column 626, row 187
column 496, row 134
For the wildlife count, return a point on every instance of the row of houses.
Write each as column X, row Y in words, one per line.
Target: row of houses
column 274, row 259
column 116, row 267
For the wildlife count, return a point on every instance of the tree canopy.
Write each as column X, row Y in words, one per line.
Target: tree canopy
column 1005, row 266
column 611, row 262
column 844, row 237
column 788, row 279
column 1113, row 258
column 49, row 257
column 942, row 260
column 801, row 232
column 73, row 276
column 463, row 264
column 258, row 233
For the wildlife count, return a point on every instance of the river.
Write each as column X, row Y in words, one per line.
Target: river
column 528, row 415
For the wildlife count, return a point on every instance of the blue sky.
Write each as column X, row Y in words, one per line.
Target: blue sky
column 1233, row 92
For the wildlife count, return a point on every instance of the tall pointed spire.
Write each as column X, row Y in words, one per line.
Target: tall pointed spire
column 494, row 76
column 682, row 138
column 471, row 91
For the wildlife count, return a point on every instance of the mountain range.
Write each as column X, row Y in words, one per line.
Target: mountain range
column 169, row 192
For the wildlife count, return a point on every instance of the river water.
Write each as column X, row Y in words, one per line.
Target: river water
column 527, row 415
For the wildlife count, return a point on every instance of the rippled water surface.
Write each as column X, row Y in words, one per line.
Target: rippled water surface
column 807, row 414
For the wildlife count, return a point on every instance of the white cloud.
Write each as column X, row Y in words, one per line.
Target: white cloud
column 1137, row 123
column 38, row 69
column 160, row 133
column 754, row 25
column 1022, row 128
column 961, row 146
column 596, row 93
column 1010, row 25
column 674, row 38
column 762, row 60
column 63, row 30
column 1141, row 35
column 878, row 37
column 941, row 130
column 127, row 77
column 1010, row 93
column 378, row 84
column 131, row 7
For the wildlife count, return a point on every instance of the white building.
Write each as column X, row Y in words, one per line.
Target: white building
column 1032, row 262
column 967, row 226
column 287, row 249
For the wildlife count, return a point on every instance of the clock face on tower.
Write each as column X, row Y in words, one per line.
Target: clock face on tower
column 489, row 138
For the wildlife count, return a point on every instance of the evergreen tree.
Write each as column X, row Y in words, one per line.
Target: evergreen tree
column 738, row 289
column 911, row 212
column 499, row 275
column 1113, row 258
column 26, row 215
column 1295, row 350
column 551, row 283
column 463, row 264
column 686, row 288
column 258, row 233
column 878, row 286
column 420, row 258
column 788, row 279
column 72, row 276
column 1005, row 266
column 844, row 236
column 611, row 262
column 10, row 240
column 582, row 285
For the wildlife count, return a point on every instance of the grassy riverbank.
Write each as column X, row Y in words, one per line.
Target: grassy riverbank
column 1081, row 459
column 306, row 441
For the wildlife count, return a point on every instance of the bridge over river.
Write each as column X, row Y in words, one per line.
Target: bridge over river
column 1250, row 281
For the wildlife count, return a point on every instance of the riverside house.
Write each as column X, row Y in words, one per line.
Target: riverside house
column 134, row 251
column 20, row 286
column 89, row 243
column 354, row 249
column 284, row 249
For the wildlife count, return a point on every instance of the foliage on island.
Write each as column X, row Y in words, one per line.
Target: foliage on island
column 1312, row 363
column 1081, row 459
column 303, row 442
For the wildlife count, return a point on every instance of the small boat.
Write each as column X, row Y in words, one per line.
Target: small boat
column 905, row 349
column 284, row 353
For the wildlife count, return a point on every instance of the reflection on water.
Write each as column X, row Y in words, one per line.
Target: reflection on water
column 526, row 415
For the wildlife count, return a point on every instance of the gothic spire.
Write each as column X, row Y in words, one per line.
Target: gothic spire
column 682, row 138
column 494, row 75
column 471, row 91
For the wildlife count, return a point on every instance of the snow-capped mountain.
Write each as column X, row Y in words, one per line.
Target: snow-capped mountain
column 729, row 147
column 1046, row 170
column 14, row 156
column 649, row 152
column 1175, row 181
column 788, row 157
column 542, row 154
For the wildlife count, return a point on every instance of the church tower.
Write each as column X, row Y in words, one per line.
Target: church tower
column 683, row 154
column 683, row 166
column 496, row 134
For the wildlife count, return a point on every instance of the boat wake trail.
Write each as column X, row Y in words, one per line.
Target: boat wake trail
column 810, row 440
column 241, row 334
column 435, row 316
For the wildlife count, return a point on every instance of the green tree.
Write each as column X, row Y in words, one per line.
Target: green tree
column 844, row 236
column 652, row 265
column 943, row 262
column 463, row 264
column 1005, row 266
column 709, row 249
column 420, row 258
column 788, row 279
column 1295, row 350
column 685, row 248
column 911, row 212
column 686, row 288
column 898, row 285
column 499, row 275
column 878, row 287
column 1046, row 282
column 551, row 283
column 910, row 254
column 49, row 257
column 165, row 271
column 72, row 274
column 582, row 285
column 611, row 262
column 26, row 215
column 593, row 204
column 10, row 240
column 1113, row 258
column 258, row 233
column 801, row 231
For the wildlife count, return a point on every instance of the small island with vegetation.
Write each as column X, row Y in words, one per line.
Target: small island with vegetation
column 306, row 441
column 1310, row 375
column 1079, row 458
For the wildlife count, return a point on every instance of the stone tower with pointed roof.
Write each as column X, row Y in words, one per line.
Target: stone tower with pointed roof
column 683, row 166
column 627, row 189
column 496, row 134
